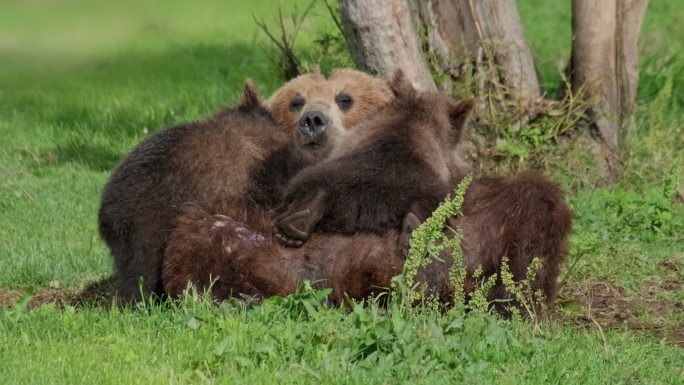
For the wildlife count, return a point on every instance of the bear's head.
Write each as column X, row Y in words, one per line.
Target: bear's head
column 437, row 123
column 318, row 112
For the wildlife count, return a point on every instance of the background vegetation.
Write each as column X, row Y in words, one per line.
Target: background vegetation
column 81, row 82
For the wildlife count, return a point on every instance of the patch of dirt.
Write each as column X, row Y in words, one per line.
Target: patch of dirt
column 610, row 306
column 672, row 266
column 53, row 294
column 40, row 296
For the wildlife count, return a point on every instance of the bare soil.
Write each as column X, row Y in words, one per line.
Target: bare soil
column 606, row 305
column 54, row 295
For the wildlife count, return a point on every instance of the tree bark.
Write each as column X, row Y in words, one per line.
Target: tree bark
column 382, row 38
column 605, row 64
column 485, row 32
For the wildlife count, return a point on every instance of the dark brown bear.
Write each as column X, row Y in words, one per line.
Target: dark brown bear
column 521, row 218
column 200, row 162
column 233, row 258
column 400, row 159
column 239, row 159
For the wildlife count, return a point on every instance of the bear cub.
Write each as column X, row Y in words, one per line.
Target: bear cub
column 238, row 161
column 203, row 161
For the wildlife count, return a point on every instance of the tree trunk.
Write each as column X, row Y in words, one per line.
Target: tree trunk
column 482, row 34
column 487, row 33
column 604, row 64
column 382, row 38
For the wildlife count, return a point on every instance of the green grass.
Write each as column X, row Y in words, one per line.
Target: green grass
column 81, row 82
column 282, row 342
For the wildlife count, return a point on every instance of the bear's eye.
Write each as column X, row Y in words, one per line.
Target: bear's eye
column 297, row 103
column 344, row 101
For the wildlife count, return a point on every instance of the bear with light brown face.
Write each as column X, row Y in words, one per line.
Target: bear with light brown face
column 316, row 113
column 237, row 161
column 323, row 110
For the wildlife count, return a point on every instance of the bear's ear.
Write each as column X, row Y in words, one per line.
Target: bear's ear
column 400, row 85
column 250, row 96
column 458, row 115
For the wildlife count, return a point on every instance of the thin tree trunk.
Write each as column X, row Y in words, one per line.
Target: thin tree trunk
column 487, row 33
column 382, row 39
column 630, row 15
column 604, row 61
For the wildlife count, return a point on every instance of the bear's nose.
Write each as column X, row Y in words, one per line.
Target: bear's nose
column 313, row 124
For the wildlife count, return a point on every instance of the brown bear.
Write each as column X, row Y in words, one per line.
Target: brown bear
column 314, row 105
column 400, row 159
column 231, row 258
column 518, row 218
column 239, row 159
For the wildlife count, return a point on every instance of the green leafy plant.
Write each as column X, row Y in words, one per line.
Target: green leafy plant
column 305, row 303
column 524, row 297
column 427, row 242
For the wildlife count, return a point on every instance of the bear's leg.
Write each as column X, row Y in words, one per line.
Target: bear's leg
column 142, row 272
column 128, row 289
column 295, row 225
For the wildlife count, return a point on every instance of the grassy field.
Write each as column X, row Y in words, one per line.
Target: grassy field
column 81, row 82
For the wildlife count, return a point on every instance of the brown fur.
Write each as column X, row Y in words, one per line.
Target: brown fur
column 242, row 259
column 520, row 218
column 345, row 99
column 401, row 158
column 205, row 161
column 240, row 158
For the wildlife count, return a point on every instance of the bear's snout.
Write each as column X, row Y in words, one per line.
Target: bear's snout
column 313, row 124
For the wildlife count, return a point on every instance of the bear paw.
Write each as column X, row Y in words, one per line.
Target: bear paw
column 293, row 229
